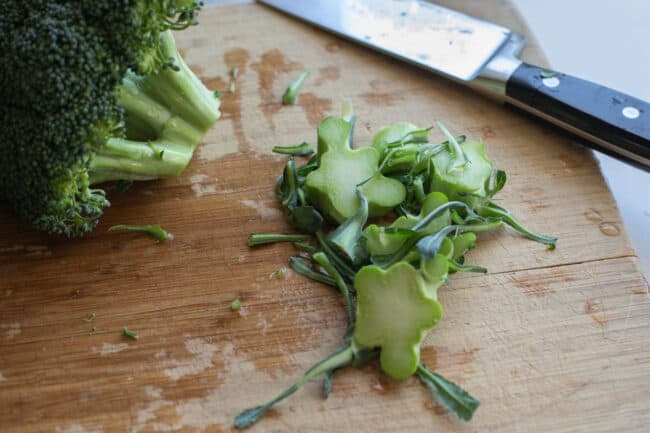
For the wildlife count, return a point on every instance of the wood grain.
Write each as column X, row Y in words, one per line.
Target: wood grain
column 549, row 340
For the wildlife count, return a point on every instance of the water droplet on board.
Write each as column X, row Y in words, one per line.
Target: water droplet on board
column 593, row 215
column 609, row 229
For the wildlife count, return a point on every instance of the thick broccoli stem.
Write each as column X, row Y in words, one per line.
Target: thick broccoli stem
column 167, row 115
column 122, row 159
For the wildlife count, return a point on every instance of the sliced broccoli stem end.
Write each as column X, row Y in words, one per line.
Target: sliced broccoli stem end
column 167, row 114
column 175, row 89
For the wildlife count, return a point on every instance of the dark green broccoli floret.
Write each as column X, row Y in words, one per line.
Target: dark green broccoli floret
column 93, row 91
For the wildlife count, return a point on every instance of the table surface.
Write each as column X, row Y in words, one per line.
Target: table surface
column 607, row 36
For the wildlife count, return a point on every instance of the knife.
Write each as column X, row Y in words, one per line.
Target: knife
column 484, row 56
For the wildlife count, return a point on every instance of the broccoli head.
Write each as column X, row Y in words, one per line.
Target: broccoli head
column 93, row 91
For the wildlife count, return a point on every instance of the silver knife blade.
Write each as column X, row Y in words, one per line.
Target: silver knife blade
column 419, row 32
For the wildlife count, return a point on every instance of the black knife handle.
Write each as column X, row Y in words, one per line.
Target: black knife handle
column 611, row 121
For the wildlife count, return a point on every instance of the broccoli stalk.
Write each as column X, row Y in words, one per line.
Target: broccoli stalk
column 166, row 114
column 96, row 91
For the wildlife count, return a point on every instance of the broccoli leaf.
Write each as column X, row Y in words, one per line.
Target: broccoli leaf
column 155, row 231
column 346, row 236
column 451, row 396
column 302, row 149
column 305, row 219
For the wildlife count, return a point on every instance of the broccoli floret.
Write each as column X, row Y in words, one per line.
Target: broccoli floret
column 93, row 91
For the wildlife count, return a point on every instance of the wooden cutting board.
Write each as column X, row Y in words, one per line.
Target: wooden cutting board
column 549, row 341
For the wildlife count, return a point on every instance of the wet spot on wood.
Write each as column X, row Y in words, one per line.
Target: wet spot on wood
column 276, row 365
column 230, row 105
column 591, row 307
column 381, row 99
column 533, row 288
column 333, row 46
column 595, row 310
column 429, row 357
column 487, row 132
column 461, row 358
column 236, row 58
column 327, row 73
column 269, row 65
column 537, row 198
column 536, row 290
column 593, row 215
column 609, row 228
column 537, row 203
column 599, row 320
column 273, row 413
column 215, row 83
column 376, row 85
column 315, row 108
column 464, row 356
column 437, row 408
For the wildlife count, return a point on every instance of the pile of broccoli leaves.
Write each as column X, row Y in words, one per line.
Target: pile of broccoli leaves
column 388, row 275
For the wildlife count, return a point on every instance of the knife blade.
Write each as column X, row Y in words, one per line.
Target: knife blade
column 484, row 56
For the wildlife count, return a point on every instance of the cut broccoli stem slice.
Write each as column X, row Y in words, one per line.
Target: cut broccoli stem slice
column 169, row 111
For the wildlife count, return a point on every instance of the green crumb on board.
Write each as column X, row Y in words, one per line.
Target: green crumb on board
column 289, row 96
column 131, row 334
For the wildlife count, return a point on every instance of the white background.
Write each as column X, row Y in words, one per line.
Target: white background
column 608, row 42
